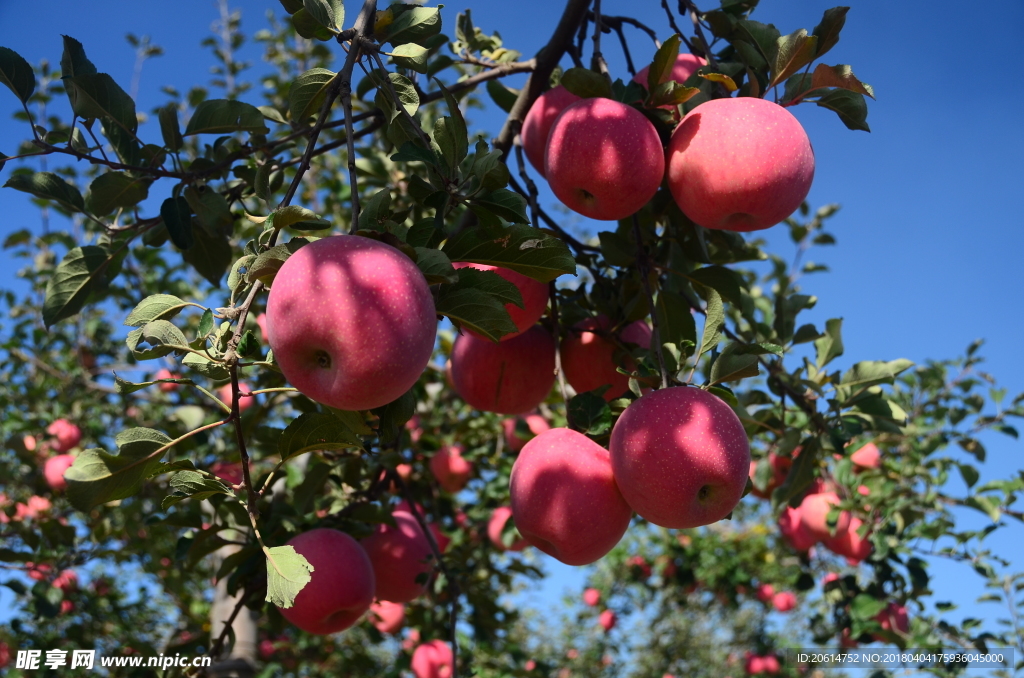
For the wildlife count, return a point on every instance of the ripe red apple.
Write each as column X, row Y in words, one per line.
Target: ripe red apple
column 164, row 373
column 814, row 510
column 261, row 322
column 604, row 159
column 739, row 164
column 66, row 581
column 54, row 469
column 784, row 601
column 509, row 377
column 67, row 434
column 399, row 554
column 639, row 567
column 850, row 543
column 893, row 619
column 564, row 497
column 780, row 469
column 592, row 597
column 450, row 469
column 867, row 457
column 607, row 620
column 536, row 424
column 227, row 396
column 863, row 490
column 351, row 321
column 387, row 617
column 534, row 293
column 67, row 606
column 432, row 659
column 765, row 592
column 588, row 359
column 681, row 457
column 496, row 525
column 341, row 588
column 829, row 578
column 685, row 66
column 793, row 530
column 228, row 471
column 538, row 122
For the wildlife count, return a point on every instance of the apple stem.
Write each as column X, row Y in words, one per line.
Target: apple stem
column 643, row 267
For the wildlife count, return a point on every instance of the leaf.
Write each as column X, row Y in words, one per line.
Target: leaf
column 849, row 106
column 206, row 367
column 177, row 217
column 415, row 24
column 323, row 12
column 210, row 256
column 73, row 60
column 435, row 266
column 269, row 262
column 376, row 212
column 664, row 60
column 763, row 37
column 589, row 413
column 287, row 573
column 394, row 415
column 456, row 124
column 839, row 76
column 308, row 27
column 806, row 333
column 411, row 56
column 163, row 333
column 671, row 93
column 475, row 308
column 69, row 288
column 871, row 372
column 728, row 82
column 155, row 307
column 675, row 322
column 299, row 218
column 586, row 84
column 170, row 129
column 830, row 345
column 97, row 477
column 114, row 190
column 827, row 31
column 523, row 249
column 315, row 431
column 865, row 606
column 793, row 52
column 16, row 74
column 98, row 96
column 969, row 474
column 211, row 209
column 125, row 387
column 712, row 323
column 307, row 93
column 723, row 280
column 224, row 116
column 48, row 186
column 503, row 96
column 733, row 366
column 507, row 204
column 190, row 484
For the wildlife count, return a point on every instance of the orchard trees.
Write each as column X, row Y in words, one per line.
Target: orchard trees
column 297, row 480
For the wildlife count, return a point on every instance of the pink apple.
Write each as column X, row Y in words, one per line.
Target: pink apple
column 496, row 525
column 351, row 321
column 32, row 509
column 534, row 293
column 5, row 654
column 604, row 159
column 739, row 164
column 530, row 665
column 867, row 456
column 227, row 396
column 165, row 373
column 440, row 538
column 780, row 469
column 784, row 601
column 67, row 434
column 588, row 358
column 66, row 581
column 565, row 499
column 29, row 442
column 850, row 543
column 829, row 578
column 432, row 659
column 770, row 664
column 592, row 597
column 341, row 586
column 793, row 530
column 765, row 592
column 228, row 471
column 39, row 571
column 387, row 617
column 863, row 490
column 681, row 457
column 538, row 122
column 399, row 554
column 510, row 377
column 640, row 566
column 893, row 619
column 66, row 606
column 261, row 322
column 814, row 510
column 754, row 664
column 607, row 620
column 685, row 66
column 450, row 469
column 534, row 422
column 54, row 469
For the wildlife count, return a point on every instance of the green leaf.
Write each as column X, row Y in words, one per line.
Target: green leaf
column 16, row 74
column 664, row 60
column 48, row 186
column 186, row 484
column 827, row 31
column 394, row 415
column 435, row 266
column 871, row 372
column 723, row 280
column 164, row 333
column 507, row 204
column 523, row 249
column 206, row 367
column 675, row 322
column 456, row 125
column 840, row 76
column 733, row 366
column 210, row 256
column 865, row 606
column 722, row 78
column 806, row 333
column 713, row 323
column 69, row 288
column 324, row 13
column 269, row 262
column 177, row 216
column 987, row 505
column 299, row 218
column 849, row 106
column 125, row 387
column 170, row 128
column 97, row 477
column 376, row 212
column 830, row 345
column 503, row 96
column 211, row 209
column 671, row 93
column 224, row 116
column 114, row 190
column 411, row 56
column 353, row 420
column 287, row 573
column 763, row 37
column 73, row 60
column 586, row 84
column 793, row 52
column 316, row 431
column 307, row 93
column 97, row 96
column 476, row 308
column 969, row 474
column 589, row 414
column 414, row 24
column 156, row 307
column 308, row 27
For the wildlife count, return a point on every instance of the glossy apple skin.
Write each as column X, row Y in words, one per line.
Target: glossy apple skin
column 398, row 554
column 867, row 457
column 564, row 497
column 538, row 122
column 604, row 159
column 450, row 469
column 534, row 293
column 351, row 322
column 592, row 597
column 814, row 510
column 536, row 423
column 67, row 435
column 509, row 377
column 495, row 526
column 588, row 359
column 850, row 544
column 54, row 469
column 387, row 617
column 739, row 164
column 681, row 457
column 341, row 588
column 432, row 659
column 685, row 66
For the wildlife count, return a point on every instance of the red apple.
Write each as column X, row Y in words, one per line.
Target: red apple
column 5, row 654
column 227, row 396
column 538, row 122
column 509, row 377
column 351, row 321
column 565, row 499
column 588, row 359
column 261, row 322
column 341, row 588
column 765, row 592
column 534, row 422
column 607, row 620
column 893, row 619
column 867, row 456
column 440, row 537
column 770, row 664
column 780, row 469
column 66, row 581
column 432, row 659
column 685, row 66
column 534, row 293
column 784, row 601
column 228, row 471
column 604, row 159
column 814, row 510
column 863, row 490
column 850, row 543
column 739, row 164
column 399, row 554
column 639, row 566
column 496, row 525
column 67, row 434
column 792, row 528
column 450, row 469
column 164, row 373
column 54, row 469
column 66, row 606
column 592, row 597
column 829, row 578
column 387, row 617
column 681, row 457
column 29, row 442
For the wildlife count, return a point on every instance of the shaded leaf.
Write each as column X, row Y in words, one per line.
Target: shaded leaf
column 839, row 76
column 589, row 413
column 97, row 96
column 830, row 345
column 523, row 249
column 177, row 217
column 190, row 484
column 114, row 190
column 48, row 186
column 827, row 31
column 170, row 128
column 224, row 116
column 435, row 266
column 97, row 477
column 849, row 106
column 69, row 288
column 210, row 255
column 307, row 93
column 793, row 52
column 586, row 84
column 315, row 431
column 155, row 307
column 16, row 74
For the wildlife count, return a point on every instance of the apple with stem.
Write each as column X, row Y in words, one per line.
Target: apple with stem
column 534, row 293
column 589, row 355
column 508, row 377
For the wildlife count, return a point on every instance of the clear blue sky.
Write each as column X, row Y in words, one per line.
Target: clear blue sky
column 930, row 235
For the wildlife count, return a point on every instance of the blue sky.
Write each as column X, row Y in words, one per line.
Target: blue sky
column 929, row 237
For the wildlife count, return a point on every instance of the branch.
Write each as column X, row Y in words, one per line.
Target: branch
column 644, row 270
column 700, row 32
column 597, row 62
column 499, row 71
column 553, row 295
column 571, row 241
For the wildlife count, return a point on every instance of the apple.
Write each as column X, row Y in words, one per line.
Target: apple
column 387, row 617
column 588, row 359
column 399, row 554
column 450, row 469
column 54, row 469
column 604, row 159
column 530, row 665
column 765, row 593
column 66, row 607
column 341, row 586
column 538, row 122
column 565, row 499
column 67, row 434
column 784, row 601
column 29, row 442
column 534, row 293
column 850, row 543
column 261, row 322
column 38, row 571
column 867, row 457
column 5, row 654
column 639, row 567
column 681, row 457
column 607, row 620
column 32, row 509
column 893, row 619
column 780, row 466
column 432, row 659
column 508, row 377
column 351, row 321
column 685, row 66
column 863, row 490
column 792, row 527
column 739, row 164
column 440, row 538
column 592, row 597
column 228, row 471
column 66, row 581
column 267, row 648
column 513, row 439
column 496, row 525
column 165, row 373
column 829, row 578
column 814, row 510
column 227, row 396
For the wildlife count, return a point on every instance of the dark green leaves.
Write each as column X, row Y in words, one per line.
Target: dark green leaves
column 73, row 61
column 503, row 203
column 435, row 266
column 98, row 96
column 478, row 301
column 177, row 216
column 267, row 263
column 98, row 477
column 287, row 573
column 589, row 414
column 210, row 255
column 830, row 345
column 828, row 30
column 731, row 365
column 586, row 84
column 48, row 186
column 190, row 484
column 155, row 307
column 69, row 288
column 330, row 15
column 525, row 250
column 411, row 56
column 664, row 60
column 169, row 127
column 394, row 415
column 409, row 23
column 315, row 431
column 849, row 106
column 224, row 116
column 307, row 93
column 115, row 190
column 16, row 74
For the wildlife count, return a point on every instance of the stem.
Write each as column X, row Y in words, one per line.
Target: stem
column 597, row 62
column 236, row 416
column 700, row 33
column 552, row 224
column 531, row 187
column 553, row 295
column 644, row 270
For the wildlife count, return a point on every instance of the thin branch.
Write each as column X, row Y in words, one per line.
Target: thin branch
column 644, row 271
column 625, row 50
column 700, row 33
column 531, row 187
column 671, row 18
column 218, row 645
column 553, row 295
column 597, row 62
column 552, row 224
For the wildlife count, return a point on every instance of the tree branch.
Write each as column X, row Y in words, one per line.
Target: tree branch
column 643, row 268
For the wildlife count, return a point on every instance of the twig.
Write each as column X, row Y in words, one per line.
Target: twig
column 218, row 645
column 644, row 270
column 614, row 22
column 397, row 100
column 597, row 62
column 700, row 33
column 625, row 50
column 551, row 223
column 553, row 295
column 236, row 416
column 671, row 18
column 531, row 187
